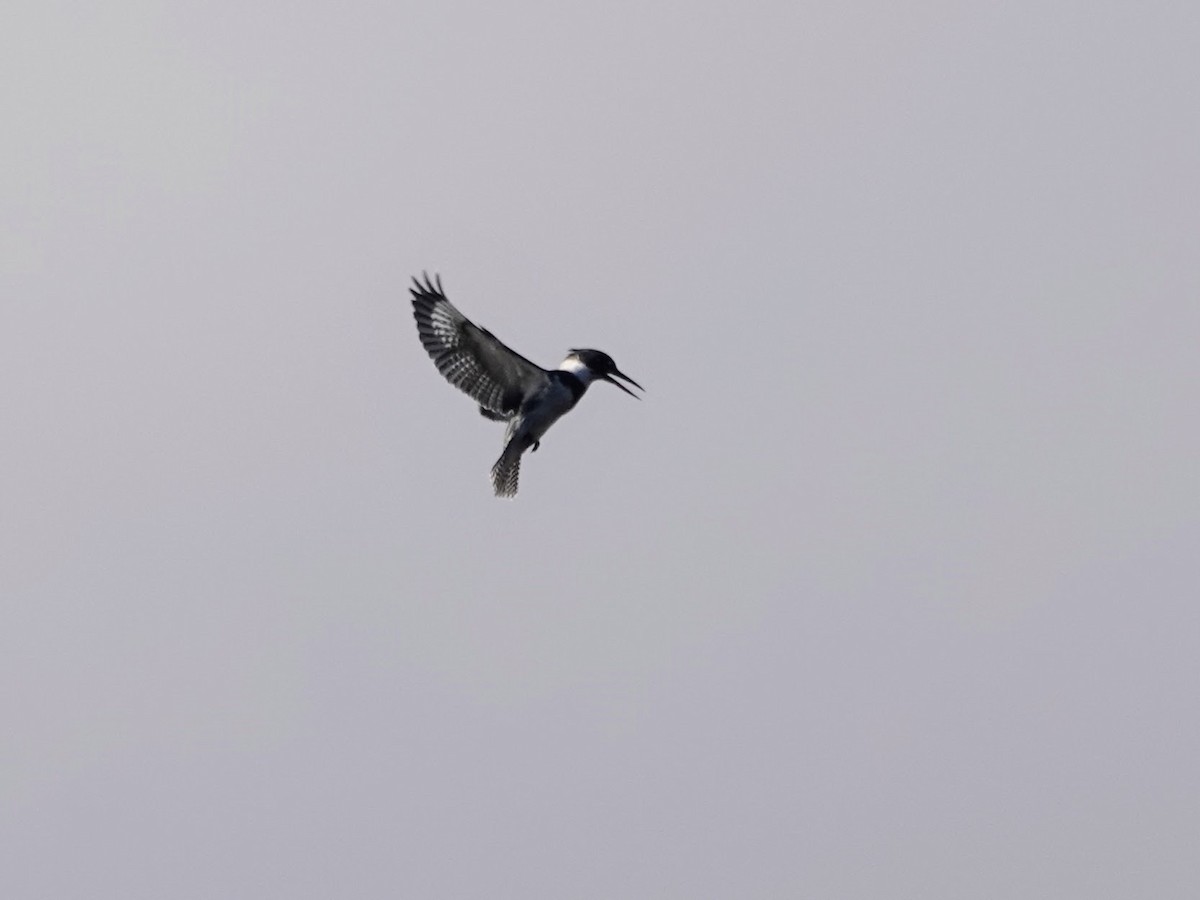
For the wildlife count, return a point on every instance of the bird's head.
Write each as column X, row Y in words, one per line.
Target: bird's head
column 599, row 366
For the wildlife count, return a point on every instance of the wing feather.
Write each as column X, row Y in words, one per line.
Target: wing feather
column 471, row 358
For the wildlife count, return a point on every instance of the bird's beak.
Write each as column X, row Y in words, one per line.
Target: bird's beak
column 611, row 380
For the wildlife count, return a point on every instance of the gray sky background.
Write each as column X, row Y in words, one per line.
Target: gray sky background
column 888, row 589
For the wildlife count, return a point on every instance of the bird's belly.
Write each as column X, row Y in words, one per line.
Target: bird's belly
column 542, row 411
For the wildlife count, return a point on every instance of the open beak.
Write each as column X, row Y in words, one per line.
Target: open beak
column 611, row 380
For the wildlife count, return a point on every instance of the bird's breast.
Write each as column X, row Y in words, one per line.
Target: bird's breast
column 546, row 407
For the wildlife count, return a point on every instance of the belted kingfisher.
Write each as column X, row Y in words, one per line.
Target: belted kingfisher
column 508, row 387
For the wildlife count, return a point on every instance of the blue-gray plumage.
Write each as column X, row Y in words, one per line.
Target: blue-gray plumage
column 508, row 387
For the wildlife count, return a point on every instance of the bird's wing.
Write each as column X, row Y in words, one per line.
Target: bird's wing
column 471, row 358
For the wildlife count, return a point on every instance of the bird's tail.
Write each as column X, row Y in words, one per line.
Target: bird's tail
column 506, row 470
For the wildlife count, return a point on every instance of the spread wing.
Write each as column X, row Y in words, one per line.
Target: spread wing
column 471, row 358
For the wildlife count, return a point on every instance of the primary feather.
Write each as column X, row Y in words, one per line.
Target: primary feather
column 471, row 358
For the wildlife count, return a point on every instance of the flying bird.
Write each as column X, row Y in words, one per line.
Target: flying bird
column 508, row 387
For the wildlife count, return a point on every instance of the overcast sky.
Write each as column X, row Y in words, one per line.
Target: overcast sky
column 887, row 589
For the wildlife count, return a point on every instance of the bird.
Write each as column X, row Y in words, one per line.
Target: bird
column 507, row 386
